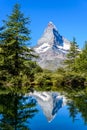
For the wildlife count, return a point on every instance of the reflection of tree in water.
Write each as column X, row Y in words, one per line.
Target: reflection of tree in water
column 78, row 104
column 73, row 110
column 15, row 110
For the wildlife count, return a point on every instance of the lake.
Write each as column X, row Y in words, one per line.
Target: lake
column 43, row 111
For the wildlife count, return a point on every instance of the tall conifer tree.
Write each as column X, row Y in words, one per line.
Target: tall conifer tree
column 81, row 61
column 15, row 56
column 71, row 56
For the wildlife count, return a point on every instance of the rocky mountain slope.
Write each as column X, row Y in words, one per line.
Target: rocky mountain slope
column 51, row 48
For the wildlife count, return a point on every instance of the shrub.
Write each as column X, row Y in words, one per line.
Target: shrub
column 43, row 80
column 57, row 80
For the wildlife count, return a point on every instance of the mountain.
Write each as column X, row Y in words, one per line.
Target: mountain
column 51, row 48
column 50, row 103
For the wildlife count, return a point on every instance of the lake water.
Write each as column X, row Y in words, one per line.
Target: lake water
column 43, row 111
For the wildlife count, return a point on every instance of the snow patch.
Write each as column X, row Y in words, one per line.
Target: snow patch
column 66, row 46
column 43, row 48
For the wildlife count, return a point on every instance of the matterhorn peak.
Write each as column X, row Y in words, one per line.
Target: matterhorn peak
column 51, row 48
column 50, row 35
column 50, row 28
column 51, row 25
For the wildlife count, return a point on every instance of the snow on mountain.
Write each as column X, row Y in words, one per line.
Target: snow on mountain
column 66, row 44
column 51, row 48
column 44, row 47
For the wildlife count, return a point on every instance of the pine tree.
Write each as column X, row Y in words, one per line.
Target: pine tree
column 71, row 56
column 15, row 56
column 81, row 61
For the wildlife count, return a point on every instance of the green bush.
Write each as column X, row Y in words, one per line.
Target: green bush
column 43, row 80
column 57, row 80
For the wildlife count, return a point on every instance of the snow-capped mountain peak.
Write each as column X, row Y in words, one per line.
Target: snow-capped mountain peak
column 51, row 37
column 51, row 48
column 51, row 25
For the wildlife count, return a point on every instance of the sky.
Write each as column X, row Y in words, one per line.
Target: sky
column 69, row 16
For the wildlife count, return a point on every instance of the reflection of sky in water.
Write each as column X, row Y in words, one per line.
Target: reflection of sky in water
column 62, row 120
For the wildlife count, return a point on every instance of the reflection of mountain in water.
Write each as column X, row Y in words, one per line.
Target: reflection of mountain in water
column 50, row 103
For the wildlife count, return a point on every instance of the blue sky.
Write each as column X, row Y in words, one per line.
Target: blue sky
column 69, row 16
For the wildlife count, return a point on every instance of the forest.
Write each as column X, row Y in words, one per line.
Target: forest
column 19, row 73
